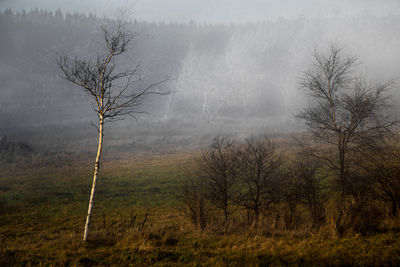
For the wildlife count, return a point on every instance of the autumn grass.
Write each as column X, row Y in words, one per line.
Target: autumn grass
column 43, row 206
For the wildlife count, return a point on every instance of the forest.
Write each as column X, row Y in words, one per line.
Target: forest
column 208, row 66
column 259, row 144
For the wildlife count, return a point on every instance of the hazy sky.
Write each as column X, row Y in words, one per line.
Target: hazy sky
column 213, row 11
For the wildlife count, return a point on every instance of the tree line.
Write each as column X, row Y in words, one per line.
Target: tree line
column 221, row 72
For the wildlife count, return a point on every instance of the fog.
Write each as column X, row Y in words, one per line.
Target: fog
column 209, row 11
column 238, row 79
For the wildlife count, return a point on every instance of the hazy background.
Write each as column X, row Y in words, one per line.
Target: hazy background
column 215, row 11
column 239, row 79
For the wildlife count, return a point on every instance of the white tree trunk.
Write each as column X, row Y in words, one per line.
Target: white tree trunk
column 95, row 176
column 167, row 107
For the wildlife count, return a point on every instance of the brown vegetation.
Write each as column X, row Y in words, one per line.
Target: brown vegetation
column 42, row 206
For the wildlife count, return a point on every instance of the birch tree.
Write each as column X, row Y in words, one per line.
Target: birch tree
column 345, row 111
column 115, row 93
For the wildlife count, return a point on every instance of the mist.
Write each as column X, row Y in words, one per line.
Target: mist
column 239, row 79
column 217, row 133
column 222, row 11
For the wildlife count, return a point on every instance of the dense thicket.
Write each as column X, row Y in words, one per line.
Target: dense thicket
column 266, row 192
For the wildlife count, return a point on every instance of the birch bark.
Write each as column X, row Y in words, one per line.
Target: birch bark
column 113, row 93
column 95, row 176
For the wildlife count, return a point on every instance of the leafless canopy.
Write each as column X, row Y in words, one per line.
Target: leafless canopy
column 259, row 163
column 114, row 92
column 341, row 102
column 219, row 170
column 345, row 111
column 383, row 170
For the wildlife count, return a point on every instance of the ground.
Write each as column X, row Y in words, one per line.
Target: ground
column 43, row 203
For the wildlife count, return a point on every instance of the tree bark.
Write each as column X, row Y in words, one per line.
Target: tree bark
column 95, row 176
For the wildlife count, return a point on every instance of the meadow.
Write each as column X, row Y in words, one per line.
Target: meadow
column 137, row 221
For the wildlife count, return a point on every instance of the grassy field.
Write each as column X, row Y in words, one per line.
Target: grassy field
column 137, row 221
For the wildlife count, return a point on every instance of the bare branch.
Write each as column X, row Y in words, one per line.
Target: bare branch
column 112, row 91
column 345, row 113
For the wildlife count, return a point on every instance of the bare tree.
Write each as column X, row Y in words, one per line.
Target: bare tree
column 306, row 186
column 258, row 165
column 383, row 169
column 114, row 92
column 194, row 202
column 218, row 168
column 290, row 193
column 344, row 112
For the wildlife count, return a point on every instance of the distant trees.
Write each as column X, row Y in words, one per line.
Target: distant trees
column 234, row 64
column 345, row 112
column 113, row 91
column 12, row 150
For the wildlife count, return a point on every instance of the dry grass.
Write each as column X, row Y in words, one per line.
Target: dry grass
column 43, row 208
